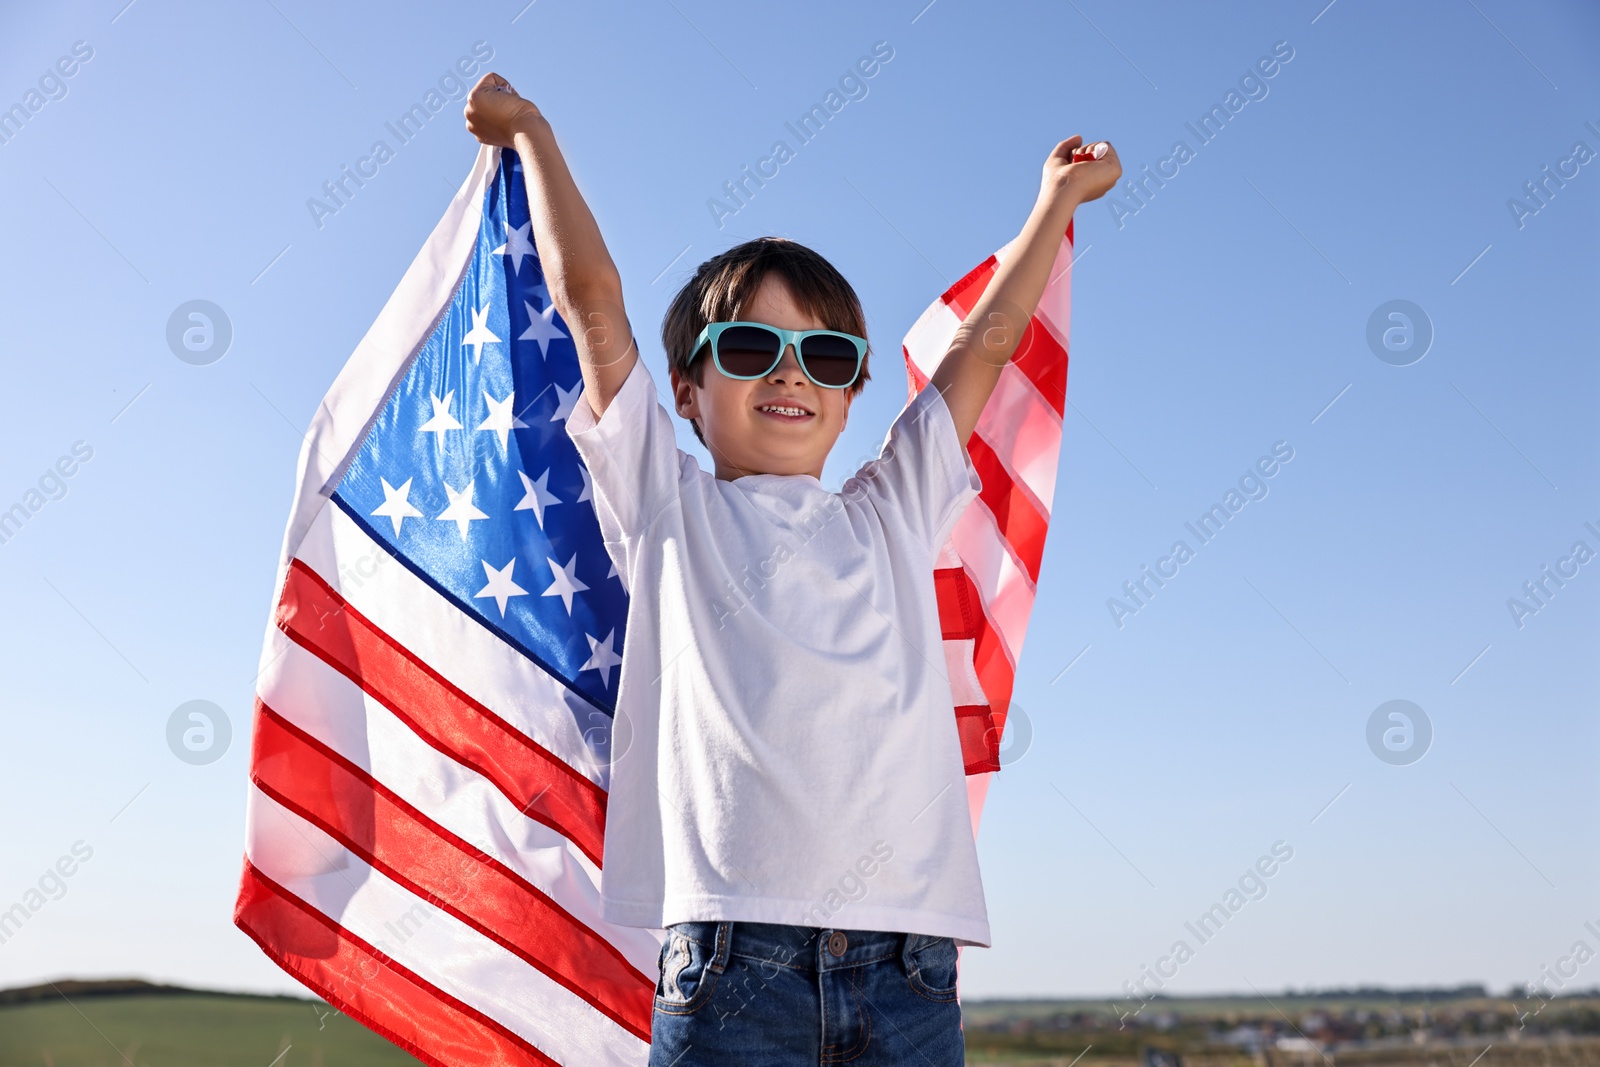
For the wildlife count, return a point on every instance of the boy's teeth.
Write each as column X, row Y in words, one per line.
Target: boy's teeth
column 783, row 410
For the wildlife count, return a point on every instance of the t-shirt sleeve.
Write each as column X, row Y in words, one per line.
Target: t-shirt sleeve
column 632, row 455
column 921, row 472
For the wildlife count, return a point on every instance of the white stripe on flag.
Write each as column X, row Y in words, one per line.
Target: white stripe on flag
column 458, row 647
column 964, row 685
column 334, row 710
column 1025, row 432
column 439, row 948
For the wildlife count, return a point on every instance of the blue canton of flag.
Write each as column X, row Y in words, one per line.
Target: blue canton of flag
column 468, row 477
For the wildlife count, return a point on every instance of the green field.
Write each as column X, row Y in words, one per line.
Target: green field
column 130, row 1023
column 186, row 1030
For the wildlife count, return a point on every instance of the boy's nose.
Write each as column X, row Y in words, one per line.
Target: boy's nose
column 788, row 368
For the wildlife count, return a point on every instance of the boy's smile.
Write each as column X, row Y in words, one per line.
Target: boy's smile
column 782, row 423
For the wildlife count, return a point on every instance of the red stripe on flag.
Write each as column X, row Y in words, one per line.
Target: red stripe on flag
column 412, row 850
column 961, row 615
column 965, row 292
column 1039, row 355
column 369, row 986
column 1015, row 513
column 540, row 784
column 980, row 741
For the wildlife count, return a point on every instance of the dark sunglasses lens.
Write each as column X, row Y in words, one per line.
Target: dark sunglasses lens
column 747, row 350
column 830, row 360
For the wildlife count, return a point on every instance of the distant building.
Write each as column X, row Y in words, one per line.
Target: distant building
column 1298, row 1044
column 1250, row 1038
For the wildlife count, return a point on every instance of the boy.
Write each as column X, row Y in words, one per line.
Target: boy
column 791, row 807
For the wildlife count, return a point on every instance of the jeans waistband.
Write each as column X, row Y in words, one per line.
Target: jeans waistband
column 808, row 948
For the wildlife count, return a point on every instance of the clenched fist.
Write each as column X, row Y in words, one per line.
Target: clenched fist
column 1083, row 172
column 495, row 112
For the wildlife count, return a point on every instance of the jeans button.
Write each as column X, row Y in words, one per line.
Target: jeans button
column 837, row 943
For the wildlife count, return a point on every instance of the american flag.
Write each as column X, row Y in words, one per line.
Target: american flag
column 430, row 757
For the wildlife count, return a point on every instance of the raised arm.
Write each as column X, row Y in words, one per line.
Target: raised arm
column 583, row 281
column 986, row 340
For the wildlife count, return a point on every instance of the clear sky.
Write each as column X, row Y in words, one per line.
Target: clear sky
column 1222, row 314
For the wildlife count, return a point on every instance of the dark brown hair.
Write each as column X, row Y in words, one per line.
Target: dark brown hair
column 724, row 284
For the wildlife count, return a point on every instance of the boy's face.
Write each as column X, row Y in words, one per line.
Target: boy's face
column 745, row 439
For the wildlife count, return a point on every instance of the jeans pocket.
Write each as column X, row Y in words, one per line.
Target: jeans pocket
column 932, row 972
column 687, row 977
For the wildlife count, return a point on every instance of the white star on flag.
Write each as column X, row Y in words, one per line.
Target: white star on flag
column 566, row 400
column 461, row 510
column 517, row 245
column 602, row 657
column 500, row 586
column 541, row 327
column 588, row 486
column 536, row 496
column 396, row 506
column 480, row 334
column 566, row 582
column 502, row 420
column 442, row 419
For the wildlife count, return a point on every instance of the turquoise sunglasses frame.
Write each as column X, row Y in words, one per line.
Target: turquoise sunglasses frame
column 714, row 330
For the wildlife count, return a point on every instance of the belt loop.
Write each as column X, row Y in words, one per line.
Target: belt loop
column 906, row 946
column 719, row 959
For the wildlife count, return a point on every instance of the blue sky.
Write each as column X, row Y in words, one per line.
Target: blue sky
column 1223, row 316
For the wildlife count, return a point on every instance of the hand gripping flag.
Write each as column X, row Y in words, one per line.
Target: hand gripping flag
column 429, row 765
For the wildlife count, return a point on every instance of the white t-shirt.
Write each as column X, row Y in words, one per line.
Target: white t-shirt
column 785, row 748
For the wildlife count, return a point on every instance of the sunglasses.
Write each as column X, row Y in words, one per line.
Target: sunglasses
column 749, row 350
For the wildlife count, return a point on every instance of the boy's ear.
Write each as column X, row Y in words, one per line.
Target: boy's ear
column 683, row 397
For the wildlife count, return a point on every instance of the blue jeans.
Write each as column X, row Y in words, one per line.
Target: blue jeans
column 770, row 995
